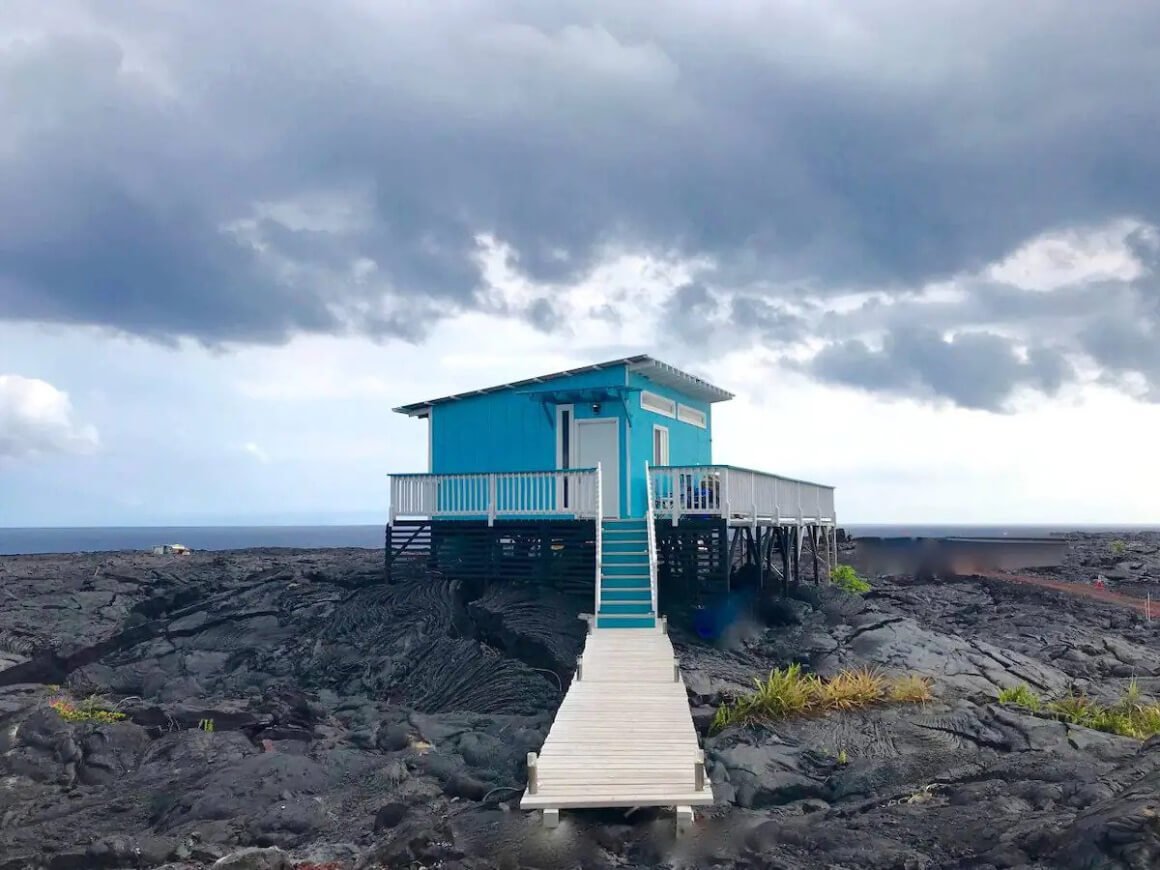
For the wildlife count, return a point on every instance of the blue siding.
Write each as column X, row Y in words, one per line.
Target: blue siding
column 507, row 431
column 688, row 444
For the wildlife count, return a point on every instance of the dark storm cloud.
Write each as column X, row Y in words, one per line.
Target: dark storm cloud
column 158, row 164
column 973, row 370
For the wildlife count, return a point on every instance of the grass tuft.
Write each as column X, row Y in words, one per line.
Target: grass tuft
column 1132, row 716
column 788, row 692
column 1020, row 696
column 850, row 690
column 911, row 689
column 87, row 711
column 846, row 578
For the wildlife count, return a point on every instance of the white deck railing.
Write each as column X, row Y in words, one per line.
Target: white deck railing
column 599, row 533
column 569, row 493
column 651, row 527
column 737, row 493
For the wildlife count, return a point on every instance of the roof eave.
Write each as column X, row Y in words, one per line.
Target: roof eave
column 420, row 410
column 665, row 374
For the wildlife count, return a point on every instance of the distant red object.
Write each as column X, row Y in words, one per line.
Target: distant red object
column 1080, row 590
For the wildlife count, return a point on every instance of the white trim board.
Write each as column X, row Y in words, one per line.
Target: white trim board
column 665, row 443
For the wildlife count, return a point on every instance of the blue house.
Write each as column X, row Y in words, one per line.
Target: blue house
column 593, row 473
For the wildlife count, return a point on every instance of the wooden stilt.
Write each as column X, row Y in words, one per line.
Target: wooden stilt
column 785, row 566
column 796, row 538
column 814, row 550
column 758, row 558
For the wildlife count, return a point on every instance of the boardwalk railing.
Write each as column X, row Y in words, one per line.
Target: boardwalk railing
column 737, row 493
column 499, row 495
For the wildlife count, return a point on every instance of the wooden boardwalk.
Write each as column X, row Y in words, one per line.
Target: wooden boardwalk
column 623, row 736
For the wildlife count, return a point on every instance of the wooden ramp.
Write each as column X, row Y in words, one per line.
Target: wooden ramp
column 623, row 736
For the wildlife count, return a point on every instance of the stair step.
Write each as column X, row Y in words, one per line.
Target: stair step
column 622, row 534
column 620, row 545
column 625, row 609
column 625, row 557
column 626, row 595
column 637, row 582
column 624, row 569
column 649, row 621
column 639, row 579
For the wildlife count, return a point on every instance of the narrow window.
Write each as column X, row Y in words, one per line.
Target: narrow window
column 660, row 445
column 565, row 447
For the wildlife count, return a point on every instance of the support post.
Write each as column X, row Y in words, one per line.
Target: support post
column 490, row 500
column 579, row 668
column 796, row 535
column 699, row 771
column 814, row 550
column 684, row 821
column 785, row 567
column 551, row 819
column 533, row 774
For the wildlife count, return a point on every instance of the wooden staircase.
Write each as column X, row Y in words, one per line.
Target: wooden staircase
column 626, row 582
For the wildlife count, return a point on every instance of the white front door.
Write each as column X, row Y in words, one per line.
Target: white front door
column 599, row 441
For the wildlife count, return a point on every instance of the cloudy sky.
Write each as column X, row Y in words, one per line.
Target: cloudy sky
column 918, row 239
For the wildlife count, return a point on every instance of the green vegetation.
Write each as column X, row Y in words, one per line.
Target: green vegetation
column 1118, row 547
column 843, row 757
column 205, row 725
column 88, row 711
column 1132, row 716
column 788, row 692
column 845, row 577
column 1020, row 696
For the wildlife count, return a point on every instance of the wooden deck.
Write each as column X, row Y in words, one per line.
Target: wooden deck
column 623, row 736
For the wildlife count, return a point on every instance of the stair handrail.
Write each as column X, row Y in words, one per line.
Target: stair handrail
column 599, row 532
column 651, row 532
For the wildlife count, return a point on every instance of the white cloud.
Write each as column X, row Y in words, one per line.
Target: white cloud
column 257, row 452
column 1077, row 256
column 36, row 418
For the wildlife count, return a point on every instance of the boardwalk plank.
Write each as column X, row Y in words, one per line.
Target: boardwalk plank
column 623, row 735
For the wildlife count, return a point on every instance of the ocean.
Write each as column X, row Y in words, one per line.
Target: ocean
column 103, row 539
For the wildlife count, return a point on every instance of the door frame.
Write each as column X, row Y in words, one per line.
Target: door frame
column 667, row 442
column 605, row 472
column 561, row 486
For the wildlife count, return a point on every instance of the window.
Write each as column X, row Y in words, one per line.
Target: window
column 692, row 415
column 660, row 446
column 563, row 451
column 565, row 438
column 658, row 404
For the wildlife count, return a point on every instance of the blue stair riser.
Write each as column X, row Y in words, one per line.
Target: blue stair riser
column 626, row 622
column 624, row 582
column 641, row 608
column 621, row 570
column 626, row 595
column 625, row 558
column 624, row 546
column 625, row 535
